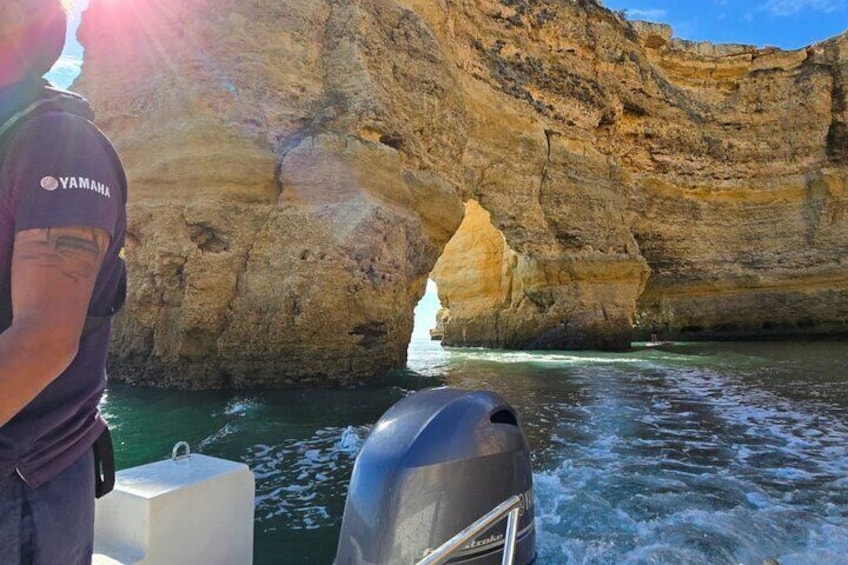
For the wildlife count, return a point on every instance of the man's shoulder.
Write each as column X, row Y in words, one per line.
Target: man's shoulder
column 20, row 103
column 58, row 135
column 59, row 145
column 52, row 123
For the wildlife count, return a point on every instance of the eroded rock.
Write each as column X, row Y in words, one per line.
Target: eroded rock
column 298, row 167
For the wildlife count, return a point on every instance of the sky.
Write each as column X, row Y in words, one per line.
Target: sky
column 68, row 67
column 788, row 24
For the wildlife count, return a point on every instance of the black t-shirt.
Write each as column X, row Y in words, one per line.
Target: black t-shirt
column 57, row 169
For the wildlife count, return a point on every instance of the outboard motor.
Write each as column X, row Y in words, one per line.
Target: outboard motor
column 436, row 462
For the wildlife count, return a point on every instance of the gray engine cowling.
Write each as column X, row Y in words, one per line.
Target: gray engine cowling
column 433, row 464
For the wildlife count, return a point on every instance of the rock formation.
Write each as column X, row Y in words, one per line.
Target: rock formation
column 298, row 167
column 746, row 233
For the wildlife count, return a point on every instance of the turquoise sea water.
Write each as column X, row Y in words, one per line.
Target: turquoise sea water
column 700, row 453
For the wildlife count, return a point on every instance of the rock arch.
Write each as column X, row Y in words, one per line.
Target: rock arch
column 298, row 166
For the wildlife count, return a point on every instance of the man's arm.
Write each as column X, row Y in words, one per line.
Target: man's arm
column 53, row 275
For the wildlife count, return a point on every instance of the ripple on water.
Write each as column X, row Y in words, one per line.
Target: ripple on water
column 713, row 472
column 301, row 481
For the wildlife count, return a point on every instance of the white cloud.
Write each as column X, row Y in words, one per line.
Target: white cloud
column 792, row 7
column 651, row 14
column 65, row 71
column 66, row 62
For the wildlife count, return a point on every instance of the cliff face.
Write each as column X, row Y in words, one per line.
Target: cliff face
column 298, row 167
column 743, row 220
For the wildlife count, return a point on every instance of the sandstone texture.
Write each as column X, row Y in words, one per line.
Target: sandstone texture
column 299, row 168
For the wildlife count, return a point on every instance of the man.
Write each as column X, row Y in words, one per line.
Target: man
column 62, row 224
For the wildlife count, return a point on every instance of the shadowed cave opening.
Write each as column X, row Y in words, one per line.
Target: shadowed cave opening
column 471, row 285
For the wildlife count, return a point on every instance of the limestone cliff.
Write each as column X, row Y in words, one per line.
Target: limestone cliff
column 298, row 167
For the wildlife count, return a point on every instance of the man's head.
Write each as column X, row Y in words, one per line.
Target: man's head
column 32, row 36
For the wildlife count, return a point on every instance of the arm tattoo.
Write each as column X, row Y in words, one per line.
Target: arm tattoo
column 75, row 252
column 74, row 244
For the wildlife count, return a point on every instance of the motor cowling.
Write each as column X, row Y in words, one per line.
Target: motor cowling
column 433, row 464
